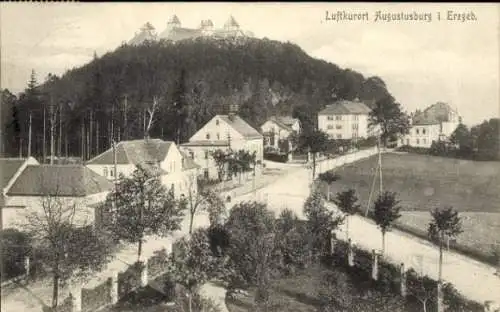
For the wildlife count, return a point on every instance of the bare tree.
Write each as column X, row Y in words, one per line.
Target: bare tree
column 67, row 246
column 151, row 113
column 420, row 287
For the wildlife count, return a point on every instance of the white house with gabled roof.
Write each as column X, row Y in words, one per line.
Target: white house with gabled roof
column 176, row 169
column 224, row 132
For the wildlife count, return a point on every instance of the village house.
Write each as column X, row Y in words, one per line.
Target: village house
column 70, row 188
column 177, row 170
column 278, row 131
column 345, row 120
column 435, row 123
column 224, row 132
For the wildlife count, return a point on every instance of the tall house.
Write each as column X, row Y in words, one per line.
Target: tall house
column 436, row 123
column 345, row 120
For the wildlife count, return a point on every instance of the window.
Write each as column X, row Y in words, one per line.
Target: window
column 407, row 141
column 206, row 154
column 205, row 173
column 424, row 141
column 418, row 141
column 356, row 117
column 339, row 136
column 338, row 117
column 329, row 127
column 423, row 131
column 111, row 172
column 338, row 127
column 218, row 136
column 217, row 122
column 355, row 126
column 208, row 136
column 105, row 172
column 192, row 155
column 417, row 132
column 402, row 142
column 330, row 118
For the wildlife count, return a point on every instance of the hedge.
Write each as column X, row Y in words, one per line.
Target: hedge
column 276, row 157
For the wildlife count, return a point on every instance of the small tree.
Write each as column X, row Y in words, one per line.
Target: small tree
column 328, row 177
column 445, row 224
column 192, row 263
column 291, row 236
column 215, row 207
column 315, row 142
column 69, row 249
column 347, row 202
column 220, row 159
column 320, row 223
column 389, row 116
column 421, row 288
column 252, row 252
column 143, row 207
column 386, row 211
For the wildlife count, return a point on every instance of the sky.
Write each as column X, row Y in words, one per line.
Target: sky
column 421, row 62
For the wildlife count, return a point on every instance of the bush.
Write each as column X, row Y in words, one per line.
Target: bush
column 16, row 246
column 283, row 158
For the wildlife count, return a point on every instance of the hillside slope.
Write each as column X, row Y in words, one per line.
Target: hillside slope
column 203, row 76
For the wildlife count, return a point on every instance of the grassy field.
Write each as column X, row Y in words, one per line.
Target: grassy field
column 425, row 182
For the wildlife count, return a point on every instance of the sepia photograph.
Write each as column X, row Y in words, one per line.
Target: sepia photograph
column 255, row 156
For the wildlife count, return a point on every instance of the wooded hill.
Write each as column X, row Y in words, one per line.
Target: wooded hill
column 193, row 80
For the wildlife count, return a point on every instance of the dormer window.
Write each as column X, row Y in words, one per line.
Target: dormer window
column 208, row 136
column 217, row 122
column 105, row 172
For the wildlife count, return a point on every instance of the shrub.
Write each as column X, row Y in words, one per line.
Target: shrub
column 16, row 246
column 276, row 157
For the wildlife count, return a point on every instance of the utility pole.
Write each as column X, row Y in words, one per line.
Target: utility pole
column 59, row 147
column 52, row 125
column 125, row 117
column 97, row 138
column 82, row 134
column 44, row 132
column 115, row 180
column 29, row 138
column 380, row 164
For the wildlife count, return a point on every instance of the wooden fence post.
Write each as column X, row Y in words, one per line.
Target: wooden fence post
column 402, row 285
column 113, row 289
column 374, row 265
column 350, row 253
column 144, row 273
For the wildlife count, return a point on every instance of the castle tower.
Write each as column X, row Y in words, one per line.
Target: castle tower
column 174, row 22
column 147, row 33
column 231, row 24
column 207, row 27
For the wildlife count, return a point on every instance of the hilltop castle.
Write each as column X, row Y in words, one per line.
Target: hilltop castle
column 175, row 32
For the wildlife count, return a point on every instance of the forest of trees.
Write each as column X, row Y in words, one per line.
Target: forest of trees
column 192, row 81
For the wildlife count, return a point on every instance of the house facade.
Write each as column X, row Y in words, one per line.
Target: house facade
column 177, row 171
column 345, row 120
column 277, row 132
column 70, row 189
column 435, row 123
column 226, row 133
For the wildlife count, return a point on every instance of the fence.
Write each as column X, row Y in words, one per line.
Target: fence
column 389, row 276
column 118, row 286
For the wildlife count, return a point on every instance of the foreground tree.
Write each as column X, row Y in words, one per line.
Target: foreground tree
column 291, row 236
column 320, row 223
column 313, row 142
column 69, row 249
column 347, row 202
column 445, row 224
column 386, row 212
column 253, row 248
column 328, row 178
column 421, row 288
column 192, row 263
column 388, row 115
column 462, row 138
column 143, row 207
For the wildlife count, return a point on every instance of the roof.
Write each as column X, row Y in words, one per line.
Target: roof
column 434, row 114
column 9, row 167
column 284, row 122
column 206, row 143
column 60, row 180
column 134, row 152
column 174, row 20
column 188, row 163
column 241, row 126
column 345, row 107
column 142, row 36
column 231, row 22
column 179, row 33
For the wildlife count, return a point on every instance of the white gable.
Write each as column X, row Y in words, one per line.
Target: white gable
column 216, row 130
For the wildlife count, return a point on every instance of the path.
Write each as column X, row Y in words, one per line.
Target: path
column 473, row 279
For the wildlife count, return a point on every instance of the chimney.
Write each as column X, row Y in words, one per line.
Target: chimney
column 233, row 110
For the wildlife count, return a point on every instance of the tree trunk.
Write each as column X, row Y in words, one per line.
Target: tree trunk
column 190, row 302
column 347, row 226
column 55, row 289
column 440, row 261
column 328, row 192
column 191, row 223
column 139, row 249
column 383, row 243
column 314, row 166
column 425, row 306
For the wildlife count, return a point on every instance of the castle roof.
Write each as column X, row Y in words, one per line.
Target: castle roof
column 146, row 34
column 434, row 114
column 231, row 22
column 180, row 33
column 207, row 23
column 174, row 20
